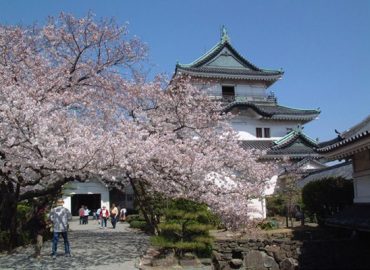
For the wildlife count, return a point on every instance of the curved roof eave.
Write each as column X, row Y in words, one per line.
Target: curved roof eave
column 305, row 115
column 344, row 142
column 215, row 50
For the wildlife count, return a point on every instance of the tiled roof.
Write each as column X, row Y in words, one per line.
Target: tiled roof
column 215, row 51
column 295, row 144
column 246, row 71
column 274, row 111
column 294, row 136
column 258, row 144
column 344, row 170
column 223, row 73
column 356, row 133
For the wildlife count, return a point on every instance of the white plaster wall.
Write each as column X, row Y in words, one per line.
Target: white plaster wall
column 246, row 127
column 271, row 185
column 241, row 90
column 91, row 187
column 311, row 166
column 257, row 208
column 362, row 189
column 244, row 90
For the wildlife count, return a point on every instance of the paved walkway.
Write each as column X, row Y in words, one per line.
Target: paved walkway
column 92, row 248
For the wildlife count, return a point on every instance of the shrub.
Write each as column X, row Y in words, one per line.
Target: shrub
column 326, row 197
column 271, row 224
column 130, row 218
column 186, row 228
column 275, row 205
column 138, row 224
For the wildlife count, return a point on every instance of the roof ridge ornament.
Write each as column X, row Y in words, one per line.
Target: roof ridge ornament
column 298, row 128
column 224, row 36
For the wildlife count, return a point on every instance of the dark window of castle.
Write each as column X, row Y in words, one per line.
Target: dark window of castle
column 259, row 132
column 228, row 92
column 267, row 132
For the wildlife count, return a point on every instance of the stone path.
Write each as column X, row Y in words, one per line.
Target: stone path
column 92, row 248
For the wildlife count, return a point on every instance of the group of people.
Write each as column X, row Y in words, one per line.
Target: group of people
column 103, row 214
column 84, row 212
column 60, row 216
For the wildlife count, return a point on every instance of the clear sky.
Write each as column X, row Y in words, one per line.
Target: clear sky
column 322, row 46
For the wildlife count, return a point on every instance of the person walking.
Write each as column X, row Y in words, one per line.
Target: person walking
column 81, row 213
column 60, row 216
column 86, row 215
column 38, row 225
column 98, row 215
column 122, row 215
column 114, row 215
column 104, row 215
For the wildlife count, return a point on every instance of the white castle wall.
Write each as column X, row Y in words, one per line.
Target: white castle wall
column 246, row 127
column 362, row 189
column 90, row 187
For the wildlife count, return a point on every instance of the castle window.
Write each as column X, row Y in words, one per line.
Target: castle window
column 263, row 132
column 267, row 132
column 228, row 92
column 259, row 132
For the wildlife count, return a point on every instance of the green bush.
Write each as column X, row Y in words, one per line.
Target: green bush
column 275, row 205
column 326, row 197
column 130, row 218
column 138, row 224
column 186, row 228
column 271, row 224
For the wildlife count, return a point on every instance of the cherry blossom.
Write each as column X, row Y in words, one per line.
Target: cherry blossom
column 73, row 105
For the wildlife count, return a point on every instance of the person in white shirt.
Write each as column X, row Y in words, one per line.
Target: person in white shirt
column 122, row 214
column 86, row 215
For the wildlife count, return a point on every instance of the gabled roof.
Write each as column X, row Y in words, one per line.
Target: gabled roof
column 295, row 145
column 292, row 137
column 271, row 110
column 344, row 170
column 356, row 134
column 262, row 145
column 224, row 62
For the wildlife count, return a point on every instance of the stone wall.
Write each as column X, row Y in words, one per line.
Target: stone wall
column 256, row 254
column 287, row 254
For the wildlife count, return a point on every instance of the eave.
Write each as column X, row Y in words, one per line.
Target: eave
column 346, row 148
column 272, row 111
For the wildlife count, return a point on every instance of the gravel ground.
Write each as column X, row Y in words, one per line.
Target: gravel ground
column 92, row 248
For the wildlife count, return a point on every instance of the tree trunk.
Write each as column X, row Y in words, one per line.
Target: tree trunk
column 6, row 195
column 13, row 238
column 287, row 216
column 144, row 205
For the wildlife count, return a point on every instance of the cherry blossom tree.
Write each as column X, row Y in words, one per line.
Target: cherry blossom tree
column 73, row 104
column 53, row 80
column 178, row 142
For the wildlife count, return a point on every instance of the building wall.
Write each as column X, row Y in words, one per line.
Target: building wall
column 241, row 90
column 91, row 187
column 257, row 208
column 361, row 182
column 362, row 189
column 246, row 124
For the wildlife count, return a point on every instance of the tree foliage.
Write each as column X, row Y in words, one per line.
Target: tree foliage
column 326, row 197
column 70, row 110
column 185, row 228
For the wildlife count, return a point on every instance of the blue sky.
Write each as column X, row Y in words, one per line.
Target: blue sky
column 323, row 46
